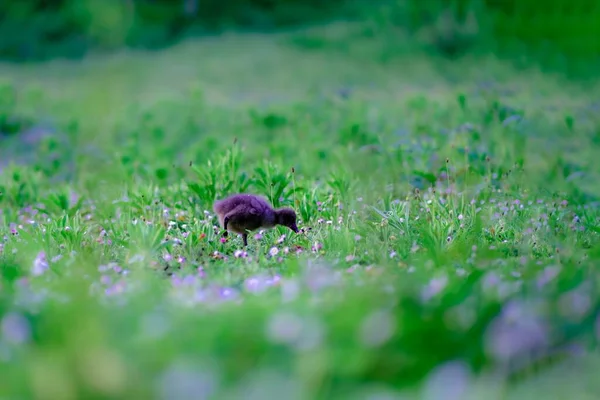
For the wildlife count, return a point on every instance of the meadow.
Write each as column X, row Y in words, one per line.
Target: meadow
column 449, row 215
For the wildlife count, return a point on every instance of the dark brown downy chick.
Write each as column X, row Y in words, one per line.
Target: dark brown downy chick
column 241, row 213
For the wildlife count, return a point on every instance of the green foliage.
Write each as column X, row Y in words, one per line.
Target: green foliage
column 448, row 233
column 12, row 117
column 556, row 36
column 69, row 28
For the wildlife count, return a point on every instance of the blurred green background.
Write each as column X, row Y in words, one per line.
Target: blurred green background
column 361, row 86
column 561, row 35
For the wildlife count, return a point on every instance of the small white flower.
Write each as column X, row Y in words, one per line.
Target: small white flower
column 239, row 254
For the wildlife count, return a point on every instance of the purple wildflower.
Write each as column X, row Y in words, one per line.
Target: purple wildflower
column 40, row 264
column 254, row 284
column 273, row 280
column 228, row 293
column 516, row 332
column 15, row 328
column 185, row 380
column 176, row 280
column 117, row 288
column 435, row 286
column 316, row 247
column 449, row 381
column 189, row 280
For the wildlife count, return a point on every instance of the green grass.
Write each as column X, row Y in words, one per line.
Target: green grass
column 452, row 207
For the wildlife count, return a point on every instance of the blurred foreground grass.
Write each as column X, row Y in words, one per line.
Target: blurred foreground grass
column 452, row 207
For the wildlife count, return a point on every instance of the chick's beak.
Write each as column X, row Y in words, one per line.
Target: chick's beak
column 295, row 228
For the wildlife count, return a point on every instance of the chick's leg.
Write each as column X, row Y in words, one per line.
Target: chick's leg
column 225, row 222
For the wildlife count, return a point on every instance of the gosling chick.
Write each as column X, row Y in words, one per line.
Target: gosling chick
column 241, row 213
